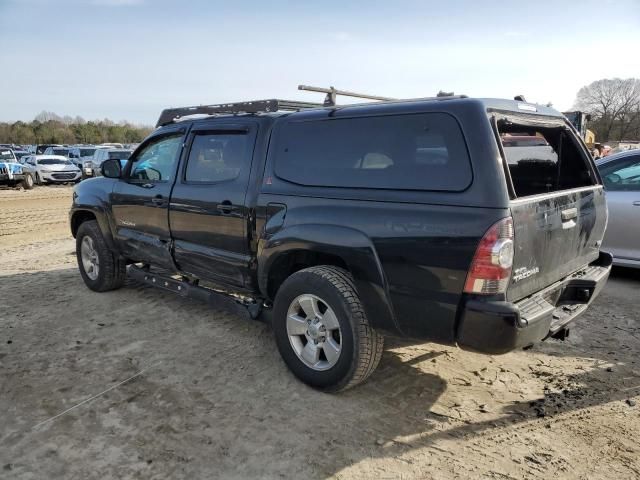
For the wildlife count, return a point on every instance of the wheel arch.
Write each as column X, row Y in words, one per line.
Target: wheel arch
column 80, row 215
column 302, row 246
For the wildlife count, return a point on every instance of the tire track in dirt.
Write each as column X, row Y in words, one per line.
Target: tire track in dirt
column 41, row 213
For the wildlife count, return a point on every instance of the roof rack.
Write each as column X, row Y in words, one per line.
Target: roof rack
column 171, row 115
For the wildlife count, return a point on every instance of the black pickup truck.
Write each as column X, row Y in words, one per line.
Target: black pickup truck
column 469, row 222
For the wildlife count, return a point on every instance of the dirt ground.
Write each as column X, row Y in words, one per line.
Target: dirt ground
column 210, row 397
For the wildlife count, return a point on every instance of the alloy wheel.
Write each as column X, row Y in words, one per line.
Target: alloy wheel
column 90, row 259
column 314, row 332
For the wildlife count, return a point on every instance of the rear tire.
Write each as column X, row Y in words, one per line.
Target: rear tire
column 27, row 182
column 329, row 294
column 99, row 267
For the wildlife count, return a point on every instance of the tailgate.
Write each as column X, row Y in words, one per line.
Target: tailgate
column 554, row 235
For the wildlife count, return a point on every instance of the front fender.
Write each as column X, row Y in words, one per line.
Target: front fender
column 93, row 200
column 353, row 247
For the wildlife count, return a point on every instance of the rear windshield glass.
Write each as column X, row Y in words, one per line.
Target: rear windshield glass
column 61, row 151
column 406, row 152
column 543, row 160
column 119, row 155
column 87, row 152
column 6, row 155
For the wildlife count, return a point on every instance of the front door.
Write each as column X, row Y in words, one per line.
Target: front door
column 208, row 213
column 140, row 201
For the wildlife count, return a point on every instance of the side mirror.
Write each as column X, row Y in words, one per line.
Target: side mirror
column 111, row 168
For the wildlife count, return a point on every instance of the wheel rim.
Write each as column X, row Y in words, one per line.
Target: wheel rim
column 30, row 180
column 314, row 332
column 90, row 259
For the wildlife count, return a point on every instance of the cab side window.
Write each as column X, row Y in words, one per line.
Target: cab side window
column 156, row 162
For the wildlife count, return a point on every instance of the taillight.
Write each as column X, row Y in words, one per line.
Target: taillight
column 491, row 267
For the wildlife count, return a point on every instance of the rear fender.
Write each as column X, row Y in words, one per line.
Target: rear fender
column 350, row 245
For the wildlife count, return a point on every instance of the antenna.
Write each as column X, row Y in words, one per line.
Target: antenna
column 330, row 99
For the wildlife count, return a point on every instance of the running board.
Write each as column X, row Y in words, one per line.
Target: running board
column 186, row 288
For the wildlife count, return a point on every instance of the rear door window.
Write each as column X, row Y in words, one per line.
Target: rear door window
column 217, row 157
column 405, row 152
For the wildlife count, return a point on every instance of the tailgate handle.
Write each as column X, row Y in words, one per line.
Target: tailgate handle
column 569, row 214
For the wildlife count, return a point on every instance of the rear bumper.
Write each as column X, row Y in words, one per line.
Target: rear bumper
column 498, row 327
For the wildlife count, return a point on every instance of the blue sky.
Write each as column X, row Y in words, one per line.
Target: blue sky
column 128, row 59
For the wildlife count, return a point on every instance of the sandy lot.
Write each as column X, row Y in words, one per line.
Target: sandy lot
column 212, row 399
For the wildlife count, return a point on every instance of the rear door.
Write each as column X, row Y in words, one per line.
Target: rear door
column 140, row 200
column 558, row 204
column 622, row 181
column 208, row 212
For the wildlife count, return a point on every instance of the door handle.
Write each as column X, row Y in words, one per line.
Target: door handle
column 226, row 207
column 569, row 214
column 636, row 203
column 157, row 200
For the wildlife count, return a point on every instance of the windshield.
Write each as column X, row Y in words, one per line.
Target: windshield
column 61, row 151
column 87, row 152
column 6, row 155
column 119, row 155
column 54, row 161
column 21, row 154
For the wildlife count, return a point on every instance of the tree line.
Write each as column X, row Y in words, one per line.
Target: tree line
column 48, row 127
column 614, row 106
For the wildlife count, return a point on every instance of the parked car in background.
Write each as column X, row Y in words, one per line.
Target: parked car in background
column 62, row 151
column 621, row 176
column 91, row 168
column 111, row 145
column 53, row 169
column 81, row 153
column 40, row 149
column 20, row 154
column 12, row 172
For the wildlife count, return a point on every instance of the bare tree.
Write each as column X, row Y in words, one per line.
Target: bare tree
column 45, row 116
column 614, row 104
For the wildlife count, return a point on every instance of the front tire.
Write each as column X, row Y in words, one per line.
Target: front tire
column 27, row 182
column 100, row 268
column 321, row 329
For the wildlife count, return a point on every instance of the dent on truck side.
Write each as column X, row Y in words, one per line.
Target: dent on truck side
column 352, row 246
